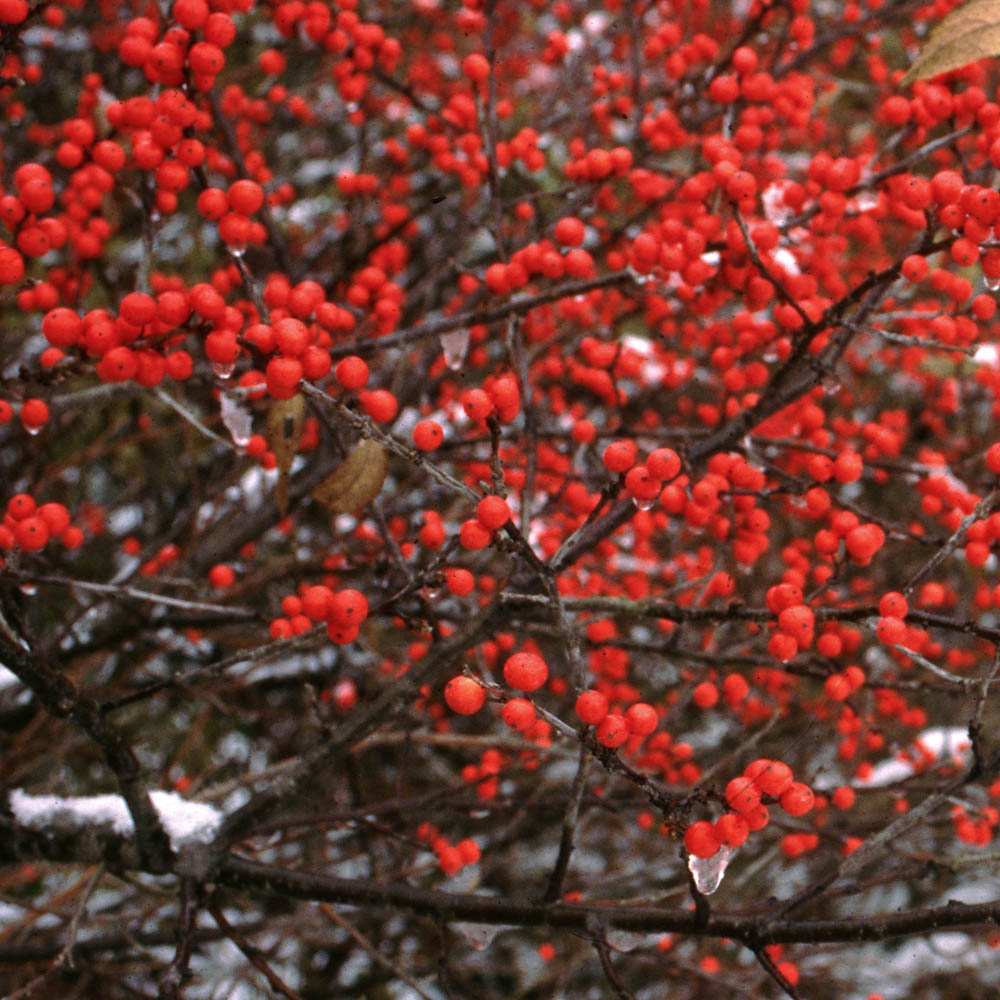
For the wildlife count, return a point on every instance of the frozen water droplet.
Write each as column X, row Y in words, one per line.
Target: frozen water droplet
column 237, row 419
column 993, row 284
column 643, row 504
column 32, row 430
column 708, row 872
column 639, row 277
column 454, row 345
column 431, row 593
column 866, row 201
column 479, row 936
column 224, row 370
column 626, row 940
column 28, row 589
column 237, row 249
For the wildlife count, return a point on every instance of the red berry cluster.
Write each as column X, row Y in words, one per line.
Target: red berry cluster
column 30, row 527
column 763, row 779
column 451, row 857
column 612, row 729
column 344, row 612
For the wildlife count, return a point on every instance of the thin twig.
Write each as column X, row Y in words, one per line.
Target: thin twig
column 252, row 953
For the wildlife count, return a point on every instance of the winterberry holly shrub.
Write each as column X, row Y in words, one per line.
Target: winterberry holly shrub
column 498, row 500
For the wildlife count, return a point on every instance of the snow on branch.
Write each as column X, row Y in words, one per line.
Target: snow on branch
column 185, row 822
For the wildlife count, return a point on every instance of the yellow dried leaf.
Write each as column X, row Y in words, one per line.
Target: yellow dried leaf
column 285, row 422
column 969, row 33
column 356, row 481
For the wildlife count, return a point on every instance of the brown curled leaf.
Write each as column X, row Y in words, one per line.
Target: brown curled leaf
column 356, row 481
column 969, row 33
column 285, row 423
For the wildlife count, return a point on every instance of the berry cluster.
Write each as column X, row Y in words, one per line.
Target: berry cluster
column 30, row 526
column 451, row 857
column 343, row 611
column 763, row 779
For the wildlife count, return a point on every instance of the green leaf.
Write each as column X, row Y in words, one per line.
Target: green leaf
column 969, row 33
column 356, row 481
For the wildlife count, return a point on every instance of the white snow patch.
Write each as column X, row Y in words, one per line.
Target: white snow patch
column 938, row 741
column 184, row 821
column 786, row 259
column 7, row 679
column 987, row 354
column 773, row 198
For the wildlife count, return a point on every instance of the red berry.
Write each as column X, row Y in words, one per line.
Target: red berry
column 341, row 634
column 449, row 858
column 380, row 405
column 742, row 795
column 591, row 707
column 641, row 719
column 245, row 196
column 13, row 11
column 782, row 596
column 62, row 327
column 213, row 203
column 701, row 840
column 664, row 463
column 519, row 714
column 772, row 777
column 191, row 14
column 619, row 456
column 464, row 695
column 459, row 581
column 34, row 414
column 612, row 731
column 283, row 377
column 221, row 576
column 837, row 687
column 893, row 603
column 348, row 607
column 137, row 308
column 476, row 68
column 492, row 512
column 31, row 533
column 316, row 602
column 847, row 467
column 641, row 483
column 20, row 506
column 570, row 231
column 291, row 336
column 843, row 797
column 525, row 671
column 734, row 689
column 473, row 535
column 705, row 695
column 352, row 372
column 427, row 435
column 506, row 397
column 864, row 541
column 732, row 829
column 891, row 630
column 11, row 266
column 431, row 534
column 55, row 516
column 797, row 799
column 477, row 404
